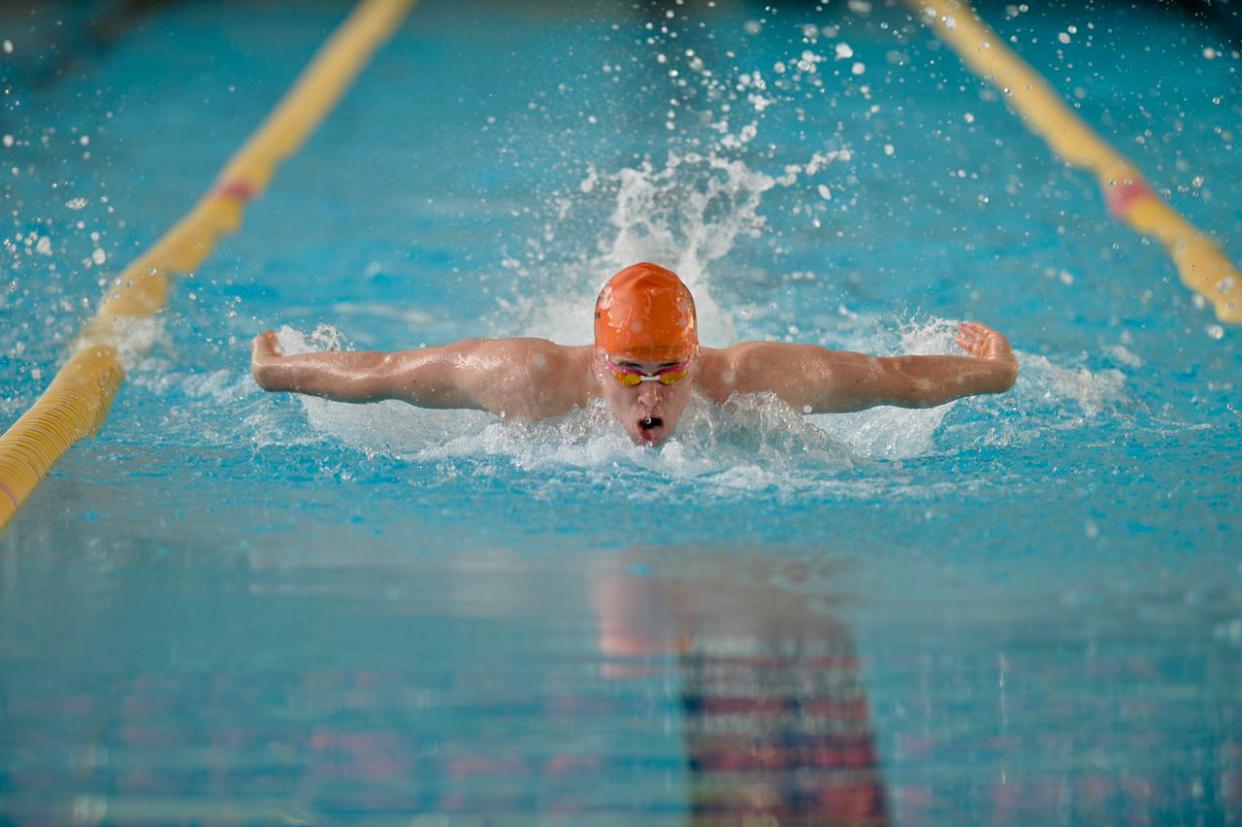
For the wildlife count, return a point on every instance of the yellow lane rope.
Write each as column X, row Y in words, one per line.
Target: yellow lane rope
column 77, row 401
column 1200, row 262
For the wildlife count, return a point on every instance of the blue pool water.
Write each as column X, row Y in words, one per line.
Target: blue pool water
column 234, row 607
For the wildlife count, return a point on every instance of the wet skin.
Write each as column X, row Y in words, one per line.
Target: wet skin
column 530, row 379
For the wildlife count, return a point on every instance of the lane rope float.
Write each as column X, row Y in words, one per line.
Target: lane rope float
column 1201, row 264
column 76, row 402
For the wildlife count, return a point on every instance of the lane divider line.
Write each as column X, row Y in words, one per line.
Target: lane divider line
column 1201, row 264
column 77, row 401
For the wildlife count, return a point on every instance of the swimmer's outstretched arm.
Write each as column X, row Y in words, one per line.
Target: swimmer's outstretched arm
column 508, row 376
column 818, row 380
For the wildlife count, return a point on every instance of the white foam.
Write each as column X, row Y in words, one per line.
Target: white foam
column 1090, row 392
column 132, row 336
column 753, row 445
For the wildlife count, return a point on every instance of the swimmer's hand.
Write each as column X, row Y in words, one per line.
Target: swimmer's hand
column 985, row 343
column 991, row 346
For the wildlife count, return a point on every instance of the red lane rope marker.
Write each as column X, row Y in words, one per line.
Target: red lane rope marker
column 234, row 189
column 1124, row 194
column 8, row 492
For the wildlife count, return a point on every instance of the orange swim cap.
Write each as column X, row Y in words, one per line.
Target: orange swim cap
column 646, row 314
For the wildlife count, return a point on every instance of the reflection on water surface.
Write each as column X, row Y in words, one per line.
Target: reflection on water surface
column 654, row 685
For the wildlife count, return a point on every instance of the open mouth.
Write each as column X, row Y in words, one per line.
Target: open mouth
column 648, row 427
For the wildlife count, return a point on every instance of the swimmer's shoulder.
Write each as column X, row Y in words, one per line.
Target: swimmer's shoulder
column 564, row 375
column 529, row 351
column 719, row 369
column 531, row 378
column 541, row 359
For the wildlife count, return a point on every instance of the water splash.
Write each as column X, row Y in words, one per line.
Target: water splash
column 749, row 444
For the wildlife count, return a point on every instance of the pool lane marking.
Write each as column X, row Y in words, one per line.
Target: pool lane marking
column 1201, row 264
column 76, row 402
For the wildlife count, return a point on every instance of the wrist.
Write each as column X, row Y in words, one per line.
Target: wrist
column 1007, row 373
column 269, row 376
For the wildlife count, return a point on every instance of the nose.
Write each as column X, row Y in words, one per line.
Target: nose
column 650, row 392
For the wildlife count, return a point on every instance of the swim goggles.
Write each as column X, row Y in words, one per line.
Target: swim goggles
column 630, row 377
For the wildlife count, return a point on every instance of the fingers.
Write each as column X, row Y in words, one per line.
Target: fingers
column 974, row 329
column 971, row 336
column 980, row 340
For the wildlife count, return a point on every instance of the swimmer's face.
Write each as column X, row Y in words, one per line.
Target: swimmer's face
column 648, row 411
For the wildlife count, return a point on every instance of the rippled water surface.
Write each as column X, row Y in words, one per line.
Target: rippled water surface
column 230, row 607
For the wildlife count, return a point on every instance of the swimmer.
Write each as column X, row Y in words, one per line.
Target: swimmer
column 646, row 363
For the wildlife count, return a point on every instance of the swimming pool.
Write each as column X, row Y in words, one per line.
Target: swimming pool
column 236, row 607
